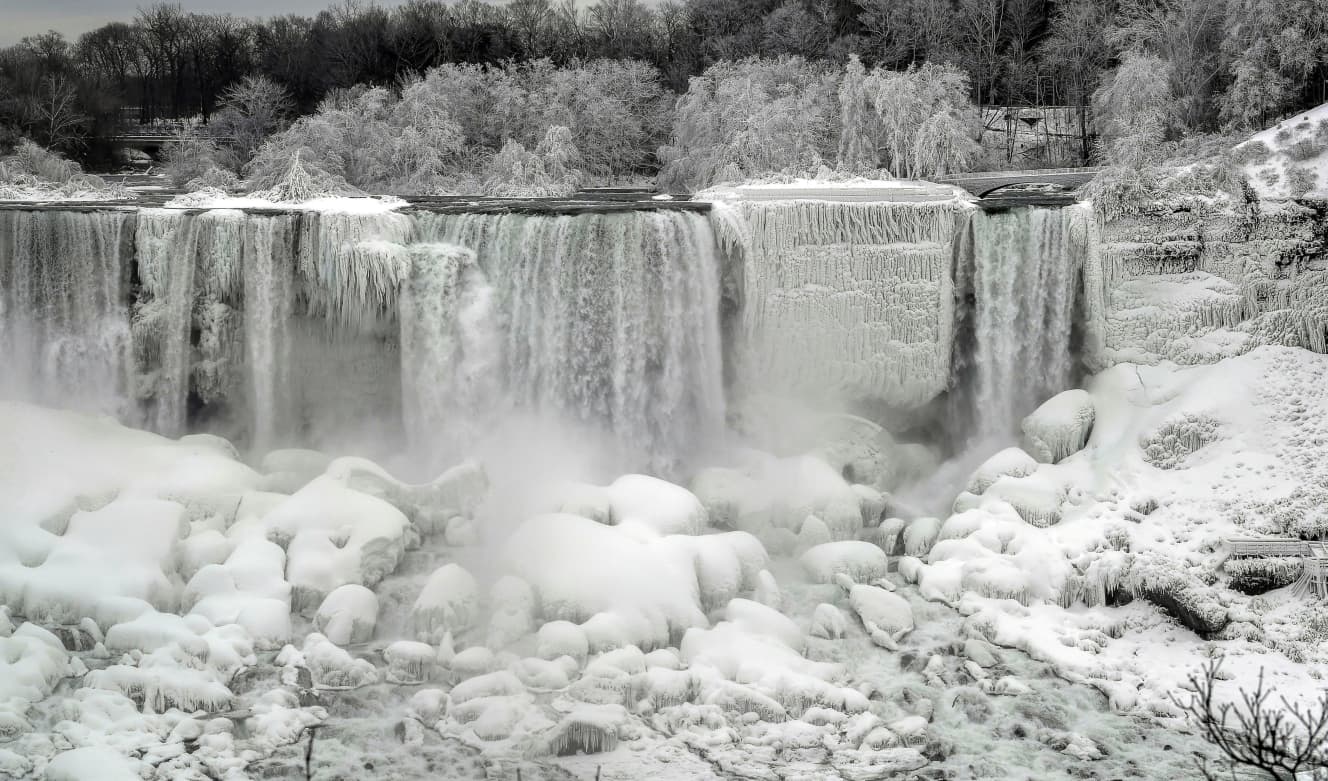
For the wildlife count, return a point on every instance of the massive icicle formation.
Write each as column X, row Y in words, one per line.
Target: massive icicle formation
column 1022, row 270
column 611, row 319
column 844, row 300
column 276, row 322
column 1199, row 285
column 64, row 316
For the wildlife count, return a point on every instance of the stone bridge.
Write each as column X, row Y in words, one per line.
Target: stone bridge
column 993, row 184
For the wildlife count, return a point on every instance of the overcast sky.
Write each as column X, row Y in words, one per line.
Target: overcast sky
column 75, row 17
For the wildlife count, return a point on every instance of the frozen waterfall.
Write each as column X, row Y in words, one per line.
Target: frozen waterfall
column 64, row 314
column 1020, row 271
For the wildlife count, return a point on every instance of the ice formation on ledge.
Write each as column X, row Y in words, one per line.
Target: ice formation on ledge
column 842, row 299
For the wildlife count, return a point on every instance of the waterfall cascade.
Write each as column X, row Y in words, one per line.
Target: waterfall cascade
column 1021, row 270
column 64, row 313
column 610, row 319
column 275, row 329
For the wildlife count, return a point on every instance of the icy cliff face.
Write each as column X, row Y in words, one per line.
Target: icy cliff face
column 64, row 317
column 844, row 300
column 1197, row 286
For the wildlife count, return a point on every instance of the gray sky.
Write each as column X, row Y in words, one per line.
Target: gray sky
column 19, row 18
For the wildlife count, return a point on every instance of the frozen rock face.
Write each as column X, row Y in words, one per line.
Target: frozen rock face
column 1196, row 286
column 843, row 300
column 1060, row 426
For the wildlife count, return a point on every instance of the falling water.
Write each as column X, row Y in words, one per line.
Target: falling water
column 1023, row 276
column 610, row 319
column 64, row 317
column 448, row 340
column 269, row 294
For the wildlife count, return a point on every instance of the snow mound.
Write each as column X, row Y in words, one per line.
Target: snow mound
column 1060, row 426
column 348, row 615
column 448, row 603
column 583, row 571
column 658, row 504
column 861, row 561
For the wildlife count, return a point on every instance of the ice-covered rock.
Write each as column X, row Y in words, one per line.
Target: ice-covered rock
column 337, row 535
column 582, row 570
column 97, row 762
column 861, row 561
column 887, row 617
column 1060, row 427
column 409, row 661
column 348, row 615
column 828, row 622
column 586, row 500
column 562, row 638
column 1011, row 461
column 758, row 619
column 659, row 504
column 449, row 602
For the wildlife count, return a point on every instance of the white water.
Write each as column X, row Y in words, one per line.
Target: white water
column 64, row 318
column 610, row 321
column 269, row 285
column 1024, row 277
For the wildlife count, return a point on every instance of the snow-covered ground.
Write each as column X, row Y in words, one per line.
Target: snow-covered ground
column 172, row 612
column 1290, row 159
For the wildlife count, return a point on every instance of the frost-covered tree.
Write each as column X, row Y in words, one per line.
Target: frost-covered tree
column 550, row 171
column 1134, row 108
column 752, row 118
column 251, row 111
column 369, row 138
column 926, row 124
column 857, row 145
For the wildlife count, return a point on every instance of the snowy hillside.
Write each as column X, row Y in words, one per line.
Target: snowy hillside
column 1290, row 159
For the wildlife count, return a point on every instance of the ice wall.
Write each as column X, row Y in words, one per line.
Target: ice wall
column 64, row 314
column 1019, row 276
column 609, row 319
column 275, row 326
column 843, row 300
column 1198, row 285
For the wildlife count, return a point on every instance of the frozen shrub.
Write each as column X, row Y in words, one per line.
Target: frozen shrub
column 1253, row 152
column 190, row 156
column 1304, row 149
column 1255, row 576
column 1301, row 179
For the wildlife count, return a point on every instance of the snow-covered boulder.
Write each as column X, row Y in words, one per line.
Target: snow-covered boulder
column 562, row 638
column 586, row 500
column 886, row 616
column 449, row 602
column 1011, row 461
column 758, row 619
column 1060, row 427
column 859, row 560
column 659, row 504
column 337, row 535
column 583, row 571
column 348, row 615
column 88, row 762
column 726, row 494
column 409, row 661
column 828, row 622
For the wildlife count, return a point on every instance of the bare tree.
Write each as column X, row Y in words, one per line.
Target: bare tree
column 1252, row 732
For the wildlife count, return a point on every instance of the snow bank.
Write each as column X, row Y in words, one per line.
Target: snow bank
column 861, row 561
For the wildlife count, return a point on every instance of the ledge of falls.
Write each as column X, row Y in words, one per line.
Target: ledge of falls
column 280, row 328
